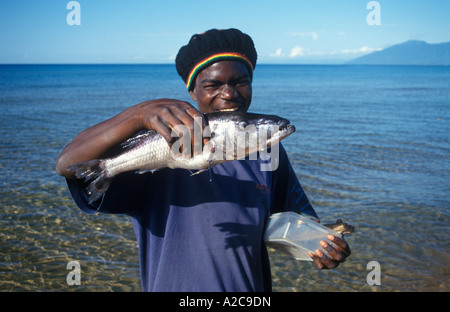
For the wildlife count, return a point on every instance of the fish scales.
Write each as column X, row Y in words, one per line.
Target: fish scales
column 153, row 153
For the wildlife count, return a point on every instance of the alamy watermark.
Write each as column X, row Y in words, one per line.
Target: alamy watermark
column 374, row 16
column 74, row 276
column 74, row 16
column 374, row 276
column 228, row 143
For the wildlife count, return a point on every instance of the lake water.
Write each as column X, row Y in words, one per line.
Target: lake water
column 372, row 147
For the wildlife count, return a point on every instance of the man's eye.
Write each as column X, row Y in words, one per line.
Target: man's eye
column 242, row 83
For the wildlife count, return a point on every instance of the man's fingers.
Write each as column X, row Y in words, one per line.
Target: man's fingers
column 163, row 128
column 192, row 121
column 316, row 260
column 179, row 122
column 205, row 129
column 201, row 136
column 341, row 244
column 328, row 261
column 322, row 261
column 336, row 255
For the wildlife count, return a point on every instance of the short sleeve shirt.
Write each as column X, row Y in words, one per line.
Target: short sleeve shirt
column 203, row 232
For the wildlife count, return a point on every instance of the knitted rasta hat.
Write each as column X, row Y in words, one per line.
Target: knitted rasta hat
column 213, row 46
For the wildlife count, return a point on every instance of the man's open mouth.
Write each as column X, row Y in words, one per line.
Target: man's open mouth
column 233, row 109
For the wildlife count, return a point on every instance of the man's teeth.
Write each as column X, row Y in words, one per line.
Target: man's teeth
column 229, row 109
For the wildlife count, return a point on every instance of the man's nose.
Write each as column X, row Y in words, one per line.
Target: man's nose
column 228, row 92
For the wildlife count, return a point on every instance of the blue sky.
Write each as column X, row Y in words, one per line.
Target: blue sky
column 120, row 31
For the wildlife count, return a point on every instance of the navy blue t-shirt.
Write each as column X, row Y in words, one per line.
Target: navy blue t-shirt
column 202, row 232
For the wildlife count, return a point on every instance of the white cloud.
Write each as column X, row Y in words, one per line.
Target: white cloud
column 300, row 52
column 297, row 51
column 277, row 53
column 364, row 49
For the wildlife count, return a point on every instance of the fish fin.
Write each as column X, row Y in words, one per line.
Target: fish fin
column 134, row 141
column 210, row 171
column 203, row 170
column 197, row 172
column 92, row 170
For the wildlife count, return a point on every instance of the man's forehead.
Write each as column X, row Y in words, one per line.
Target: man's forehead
column 220, row 69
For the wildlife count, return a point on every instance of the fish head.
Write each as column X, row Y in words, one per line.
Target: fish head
column 235, row 135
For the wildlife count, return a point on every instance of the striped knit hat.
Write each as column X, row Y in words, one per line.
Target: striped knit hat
column 213, row 46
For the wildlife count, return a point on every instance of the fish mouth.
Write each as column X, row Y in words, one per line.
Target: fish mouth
column 284, row 131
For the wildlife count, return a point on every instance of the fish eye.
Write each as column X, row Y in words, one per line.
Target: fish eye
column 243, row 124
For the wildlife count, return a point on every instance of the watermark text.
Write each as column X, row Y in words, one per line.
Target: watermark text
column 228, row 143
column 374, row 16
column 74, row 16
column 374, row 276
column 74, row 276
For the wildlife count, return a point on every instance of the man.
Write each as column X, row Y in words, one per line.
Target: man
column 195, row 234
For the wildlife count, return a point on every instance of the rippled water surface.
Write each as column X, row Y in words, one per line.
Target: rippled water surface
column 372, row 147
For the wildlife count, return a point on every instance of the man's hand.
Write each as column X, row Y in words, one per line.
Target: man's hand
column 168, row 116
column 338, row 254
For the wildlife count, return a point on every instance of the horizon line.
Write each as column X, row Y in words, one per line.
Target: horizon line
column 172, row 64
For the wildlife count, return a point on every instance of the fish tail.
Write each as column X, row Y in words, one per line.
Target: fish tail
column 92, row 170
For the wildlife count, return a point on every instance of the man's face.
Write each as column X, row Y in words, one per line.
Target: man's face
column 223, row 86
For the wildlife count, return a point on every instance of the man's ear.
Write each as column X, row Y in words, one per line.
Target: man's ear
column 193, row 95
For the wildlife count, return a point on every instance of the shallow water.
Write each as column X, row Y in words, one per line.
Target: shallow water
column 372, row 147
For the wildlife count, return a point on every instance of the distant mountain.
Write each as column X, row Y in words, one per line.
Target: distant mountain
column 408, row 53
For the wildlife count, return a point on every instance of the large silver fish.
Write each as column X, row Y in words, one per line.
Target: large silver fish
column 233, row 135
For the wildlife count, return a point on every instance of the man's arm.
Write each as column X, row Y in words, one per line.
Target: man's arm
column 103, row 139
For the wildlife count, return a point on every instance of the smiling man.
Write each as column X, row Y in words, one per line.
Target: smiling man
column 223, row 86
column 195, row 234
